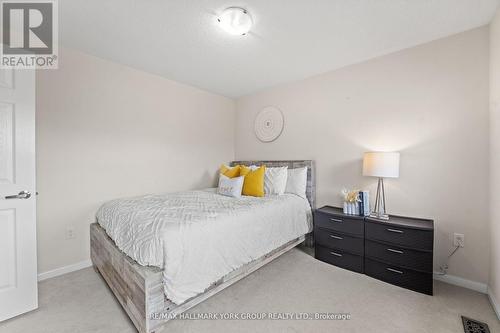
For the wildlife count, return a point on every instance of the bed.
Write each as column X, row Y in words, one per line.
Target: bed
column 152, row 265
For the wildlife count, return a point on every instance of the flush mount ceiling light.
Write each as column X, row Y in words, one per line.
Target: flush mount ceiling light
column 235, row 21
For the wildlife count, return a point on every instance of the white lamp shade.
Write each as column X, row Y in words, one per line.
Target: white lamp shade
column 381, row 164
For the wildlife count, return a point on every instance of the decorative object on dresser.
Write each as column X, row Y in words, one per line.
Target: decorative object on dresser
column 381, row 165
column 339, row 238
column 356, row 202
column 364, row 204
column 398, row 251
column 351, row 201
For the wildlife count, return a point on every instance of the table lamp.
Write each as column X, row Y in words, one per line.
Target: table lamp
column 381, row 165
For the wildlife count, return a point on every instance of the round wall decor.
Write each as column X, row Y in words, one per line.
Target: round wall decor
column 268, row 124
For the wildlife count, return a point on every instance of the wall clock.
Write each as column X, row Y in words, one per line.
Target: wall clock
column 269, row 124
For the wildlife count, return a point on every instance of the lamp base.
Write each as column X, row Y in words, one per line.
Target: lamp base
column 379, row 212
column 384, row 217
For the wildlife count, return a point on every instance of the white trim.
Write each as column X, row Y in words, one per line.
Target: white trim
column 64, row 270
column 494, row 302
column 461, row 282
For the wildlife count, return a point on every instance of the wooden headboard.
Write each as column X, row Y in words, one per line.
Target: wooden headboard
column 292, row 164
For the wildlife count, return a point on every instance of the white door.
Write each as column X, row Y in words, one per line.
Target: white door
column 18, row 270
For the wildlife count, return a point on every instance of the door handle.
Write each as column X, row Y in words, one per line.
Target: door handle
column 20, row 195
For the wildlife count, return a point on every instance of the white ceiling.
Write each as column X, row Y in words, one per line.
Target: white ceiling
column 290, row 40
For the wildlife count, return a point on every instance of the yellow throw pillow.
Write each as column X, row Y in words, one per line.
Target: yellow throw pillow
column 230, row 172
column 253, row 184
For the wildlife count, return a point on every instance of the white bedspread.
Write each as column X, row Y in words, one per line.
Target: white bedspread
column 200, row 236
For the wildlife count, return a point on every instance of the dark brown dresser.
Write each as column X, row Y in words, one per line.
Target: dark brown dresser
column 339, row 238
column 398, row 251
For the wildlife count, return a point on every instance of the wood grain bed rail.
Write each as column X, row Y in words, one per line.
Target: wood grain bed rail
column 139, row 289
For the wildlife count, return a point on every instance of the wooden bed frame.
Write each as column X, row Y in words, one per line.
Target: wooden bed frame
column 139, row 289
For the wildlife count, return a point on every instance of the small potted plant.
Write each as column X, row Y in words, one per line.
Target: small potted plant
column 351, row 200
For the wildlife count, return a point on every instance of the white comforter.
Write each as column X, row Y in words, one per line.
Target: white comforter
column 200, row 236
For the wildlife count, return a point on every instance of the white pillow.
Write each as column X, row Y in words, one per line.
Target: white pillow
column 297, row 181
column 275, row 180
column 230, row 187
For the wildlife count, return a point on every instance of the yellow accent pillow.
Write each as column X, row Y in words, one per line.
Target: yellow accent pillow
column 230, row 172
column 253, row 184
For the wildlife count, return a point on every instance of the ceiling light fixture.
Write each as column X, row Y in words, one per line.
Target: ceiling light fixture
column 235, row 21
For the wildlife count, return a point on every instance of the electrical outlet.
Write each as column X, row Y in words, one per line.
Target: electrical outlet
column 458, row 240
column 70, row 233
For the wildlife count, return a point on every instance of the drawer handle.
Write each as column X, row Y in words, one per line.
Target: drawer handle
column 395, row 251
column 336, row 220
column 394, row 270
column 336, row 237
column 396, row 231
column 336, row 254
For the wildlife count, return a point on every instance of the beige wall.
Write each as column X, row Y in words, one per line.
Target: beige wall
column 106, row 131
column 495, row 157
column 430, row 103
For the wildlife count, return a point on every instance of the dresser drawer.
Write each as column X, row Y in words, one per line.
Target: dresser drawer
column 351, row 226
column 406, row 278
column 337, row 240
column 414, row 238
column 340, row 258
column 413, row 259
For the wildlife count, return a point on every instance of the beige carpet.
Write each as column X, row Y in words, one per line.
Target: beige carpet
column 295, row 282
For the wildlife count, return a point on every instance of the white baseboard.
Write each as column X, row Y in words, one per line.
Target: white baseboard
column 494, row 303
column 461, row 282
column 64, row 270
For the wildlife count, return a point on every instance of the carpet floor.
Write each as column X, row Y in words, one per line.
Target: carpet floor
column 294, row 283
